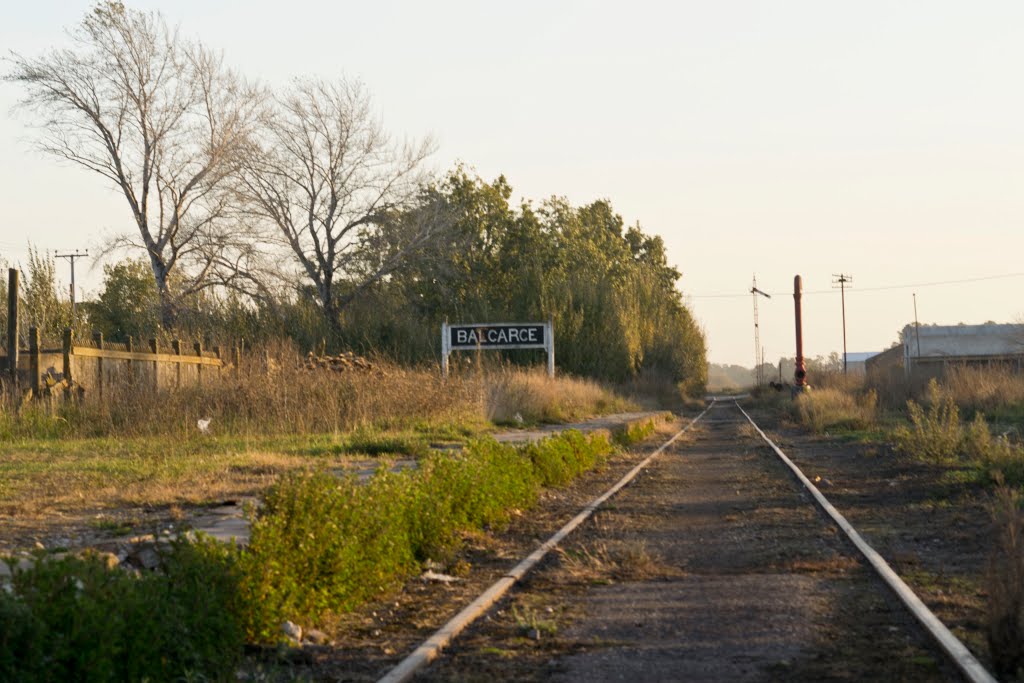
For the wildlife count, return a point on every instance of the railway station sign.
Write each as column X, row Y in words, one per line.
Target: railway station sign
column 479, row 336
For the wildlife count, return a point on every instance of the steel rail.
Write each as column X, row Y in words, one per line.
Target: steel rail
column 971, row 668
column 429, row 650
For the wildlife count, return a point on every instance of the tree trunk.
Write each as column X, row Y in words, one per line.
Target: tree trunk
column 332, row 313
column 168, row 312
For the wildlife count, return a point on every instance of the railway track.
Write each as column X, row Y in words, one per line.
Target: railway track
column 722, row 561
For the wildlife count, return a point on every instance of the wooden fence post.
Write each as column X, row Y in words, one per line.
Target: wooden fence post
column 238, row 361
column 198, row 346
column 220, row 368
column 97, row 337
column 154, row 347
column 69, row 349
column 12, row 328
column 176, row 345
column 130, row 344
column 36, row 379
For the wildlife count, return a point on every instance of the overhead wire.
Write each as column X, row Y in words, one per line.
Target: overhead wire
column 880, row 288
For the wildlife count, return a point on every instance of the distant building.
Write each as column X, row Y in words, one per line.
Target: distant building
column 856, row 361
column 929, row 349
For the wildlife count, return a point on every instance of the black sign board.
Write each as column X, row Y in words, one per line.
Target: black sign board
column 498, row 336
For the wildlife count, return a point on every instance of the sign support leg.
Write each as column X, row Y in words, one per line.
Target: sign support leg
column 551, row 348
column 445, row 351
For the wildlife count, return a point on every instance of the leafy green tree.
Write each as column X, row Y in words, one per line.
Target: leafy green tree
column 42, row 306
column 129, row 305
column 609, row 290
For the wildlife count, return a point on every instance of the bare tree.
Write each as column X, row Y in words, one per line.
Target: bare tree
column 327, row 179
column 165, row 121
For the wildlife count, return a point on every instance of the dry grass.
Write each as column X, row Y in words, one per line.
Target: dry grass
column 824, row 409
column 534, row 397
column 984, row 389
column 995, row 389
column 850, row 383
column 280, row 397
column 144, row 450
column 276, row 394
column 130, row 478
column 747, row 431
column 1005, row 585
column 604, row 561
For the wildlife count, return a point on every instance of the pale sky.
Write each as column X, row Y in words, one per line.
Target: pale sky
column 879, row 139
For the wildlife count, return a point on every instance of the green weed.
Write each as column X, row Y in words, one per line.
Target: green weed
column 531, row 623
column 938, row 435
column 634, row 433
column 935, row 434
column 76, row 619
column 321, row 545
column 559, row 460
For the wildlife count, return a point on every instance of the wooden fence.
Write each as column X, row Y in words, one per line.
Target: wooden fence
column 90, row 369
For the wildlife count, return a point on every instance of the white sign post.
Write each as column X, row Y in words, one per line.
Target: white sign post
column 478, row 336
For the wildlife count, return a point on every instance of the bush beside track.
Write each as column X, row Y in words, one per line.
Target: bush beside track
column 320, row 544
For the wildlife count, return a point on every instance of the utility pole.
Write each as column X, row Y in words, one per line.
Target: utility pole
column 842, row 281
column 71, row 257
column 758, row 350
column 917, row 332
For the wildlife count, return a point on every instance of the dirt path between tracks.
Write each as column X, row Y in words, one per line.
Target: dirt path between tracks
column 712, row 565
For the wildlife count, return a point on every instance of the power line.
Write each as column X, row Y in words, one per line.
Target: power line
column 870, row 289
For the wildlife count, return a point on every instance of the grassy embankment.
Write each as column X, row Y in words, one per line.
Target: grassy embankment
column 970, row 420
column 139, row 449
column 321, row 542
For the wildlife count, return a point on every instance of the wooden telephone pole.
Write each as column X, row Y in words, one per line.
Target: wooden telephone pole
column 843, row 280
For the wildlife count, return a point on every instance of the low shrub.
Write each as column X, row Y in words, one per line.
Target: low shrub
column 634, row 433
column 559, row 461
column 322, row 544
column 319, row 544
column 477, row 488
column 76, row 619
column 935, row 434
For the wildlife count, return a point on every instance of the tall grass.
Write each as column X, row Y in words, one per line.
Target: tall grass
column 935, row 433
column 512, row 395
column 995, row 390
column 838, row 380
column 76, row 619
column 1004, row 582
column 822, row 410
column 276, row 394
